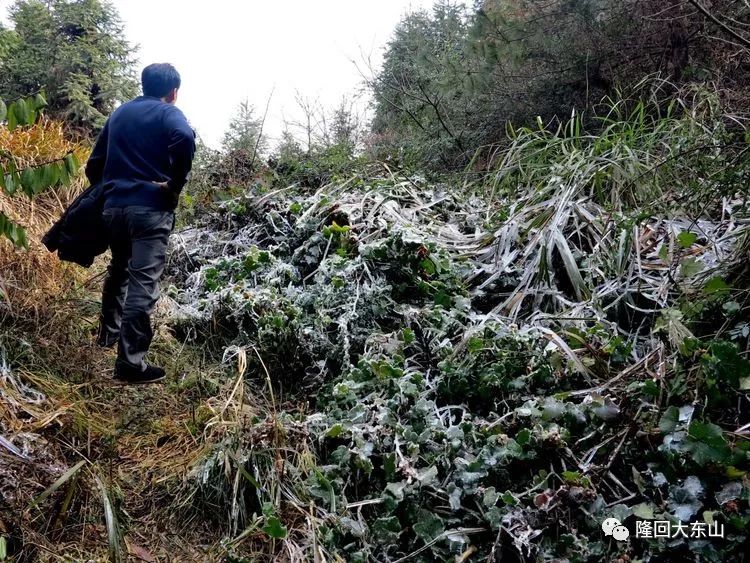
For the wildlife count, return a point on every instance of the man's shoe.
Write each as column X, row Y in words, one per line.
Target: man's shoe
column 127, row 373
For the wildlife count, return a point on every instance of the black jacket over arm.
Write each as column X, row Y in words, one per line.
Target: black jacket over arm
column 80, row 235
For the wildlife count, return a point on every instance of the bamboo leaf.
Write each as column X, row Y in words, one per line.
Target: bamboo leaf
column 72, row 164
column 40, row 101
column 7, row 444
column 64, row 478
column 11, row 118
column 113, row 530
column 571, row 267
column 21, row 112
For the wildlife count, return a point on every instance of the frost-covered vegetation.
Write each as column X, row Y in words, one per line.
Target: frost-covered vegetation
column 375, row 357
column 489, row 368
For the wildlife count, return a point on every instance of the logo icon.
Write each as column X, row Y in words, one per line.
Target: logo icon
column 613, row 527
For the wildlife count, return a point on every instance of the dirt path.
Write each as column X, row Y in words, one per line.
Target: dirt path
column 139, row 442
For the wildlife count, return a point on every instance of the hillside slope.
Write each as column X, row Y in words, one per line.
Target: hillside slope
column 389, row 368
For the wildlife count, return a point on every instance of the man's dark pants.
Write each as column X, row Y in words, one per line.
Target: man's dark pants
column 139, row 238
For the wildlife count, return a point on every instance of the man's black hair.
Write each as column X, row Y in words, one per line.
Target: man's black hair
column 160, row 79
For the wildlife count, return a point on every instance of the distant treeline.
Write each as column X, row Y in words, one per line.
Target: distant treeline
column 453, row 78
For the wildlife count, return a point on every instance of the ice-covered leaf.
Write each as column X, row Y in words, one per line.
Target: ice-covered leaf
column 606, row 411
column 685, row 500
column 396, row 490
column 690, row 267
column 427, row 476
column 386, row 530
column 354, row 527
column 490, row 497
column 552, row 408
column 730, row 491
column 509, row 498
column 668, row 421
column 644, row 511
column 706, row 443
column 428, row 525
column 454, row 496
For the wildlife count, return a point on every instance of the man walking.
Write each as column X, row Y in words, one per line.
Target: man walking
column 142, row 158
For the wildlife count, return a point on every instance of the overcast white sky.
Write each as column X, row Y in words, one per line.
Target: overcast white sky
column 229, row 50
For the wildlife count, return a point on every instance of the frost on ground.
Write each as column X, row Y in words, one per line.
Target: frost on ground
column 477, row 374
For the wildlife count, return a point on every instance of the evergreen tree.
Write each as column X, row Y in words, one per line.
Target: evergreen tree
column 243, row 145
column 452, row 79
column 245, row 133
column 345, row 125
column 288, row 147
column 418, row 94
column 75, row 51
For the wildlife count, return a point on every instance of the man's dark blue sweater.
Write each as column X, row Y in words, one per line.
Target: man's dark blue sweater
column 144, row 144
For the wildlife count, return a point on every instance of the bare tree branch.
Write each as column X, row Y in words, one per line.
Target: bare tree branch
column 262, row 124
column 743, row 40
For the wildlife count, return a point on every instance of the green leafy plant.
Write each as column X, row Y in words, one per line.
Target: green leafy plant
column 34, row 179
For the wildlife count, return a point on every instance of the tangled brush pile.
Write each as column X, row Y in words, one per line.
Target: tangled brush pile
column 492, row 371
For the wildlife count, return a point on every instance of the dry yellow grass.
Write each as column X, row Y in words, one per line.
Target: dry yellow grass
column 42, row 142
column 36, row 323
column 31, row 278
column 56, row 393
column 57, row 400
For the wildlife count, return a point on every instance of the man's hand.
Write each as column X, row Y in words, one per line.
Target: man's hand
column 164, row 185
